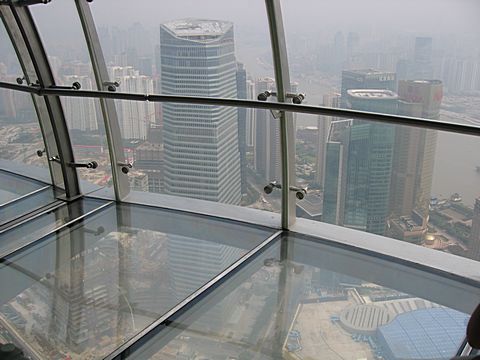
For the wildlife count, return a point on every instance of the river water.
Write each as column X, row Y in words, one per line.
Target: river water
column 456, row 159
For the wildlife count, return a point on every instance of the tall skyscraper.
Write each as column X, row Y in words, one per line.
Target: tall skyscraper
column 80, row 113
column 339, row 52
column 242, row 124
column 202, row 158
column 421, row 66
column 359, row 162
column 323, row 126
column 366, row 79
column 413, row 161
column 422, row 58
column 475, row 235
column 251, row 129
column 135, row 117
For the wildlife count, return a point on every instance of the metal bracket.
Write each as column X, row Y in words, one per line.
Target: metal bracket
column 300, row 193
column 75, row 86
column 41, row 152
column 125, row 167
column 55, row 158
column 276, row 113
column 296, row 98
column 111, row 85
column 89, row 165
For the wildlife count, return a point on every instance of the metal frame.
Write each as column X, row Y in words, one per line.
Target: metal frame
column 112, row 127
column 287, row 126
column 33, row 58
column 196, row 295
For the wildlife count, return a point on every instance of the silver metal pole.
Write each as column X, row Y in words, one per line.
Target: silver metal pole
column 276, row 106
column 287, row 126
column 112, row 127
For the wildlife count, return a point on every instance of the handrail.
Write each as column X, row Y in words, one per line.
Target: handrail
column 304, row 109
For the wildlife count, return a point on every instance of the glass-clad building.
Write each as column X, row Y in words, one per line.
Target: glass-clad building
column 236, row 180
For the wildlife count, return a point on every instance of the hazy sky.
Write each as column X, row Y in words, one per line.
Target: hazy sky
column 430, row 16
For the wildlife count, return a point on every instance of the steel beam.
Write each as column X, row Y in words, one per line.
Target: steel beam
column 287, row 126
column 112, row 127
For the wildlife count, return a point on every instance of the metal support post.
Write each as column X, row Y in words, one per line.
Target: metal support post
column 112, row 127
column 287, row 127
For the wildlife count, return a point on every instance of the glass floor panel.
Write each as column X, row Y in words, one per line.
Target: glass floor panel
column 36, row 228
column 14, row 186
column 80, row 293
column 20, row 195
column 321, row 302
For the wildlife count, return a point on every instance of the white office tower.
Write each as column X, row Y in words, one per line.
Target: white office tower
column 80, row 113
column 135, row 117
column 202, row 158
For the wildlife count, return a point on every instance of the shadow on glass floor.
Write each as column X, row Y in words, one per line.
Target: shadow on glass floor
column 321, row 302
column 86, row 289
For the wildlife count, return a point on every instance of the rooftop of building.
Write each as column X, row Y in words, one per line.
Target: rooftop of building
column 372, row 94
column 198, row 27
column 424, row 81
column 368, row 72
column 424, row 334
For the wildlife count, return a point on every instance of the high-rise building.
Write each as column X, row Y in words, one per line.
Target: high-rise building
column 413, row 161
column 251, row 115
column 202, row 158
column 242, row 124
column 80, row 112
column 358, row 166
column 422, row 58
column 135, row 117
column 421, row 66
column 366, row 79
column 475, row 235
column 149, row 158
column 323, row 126
column 339, row 52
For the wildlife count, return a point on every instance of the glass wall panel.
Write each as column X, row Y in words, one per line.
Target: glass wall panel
column 214, row 153
column 187, row 47
column 416, row 185
column 69, row 59
column 318, row 303
column 382, row 56
column 82, row 292
column 20, row 134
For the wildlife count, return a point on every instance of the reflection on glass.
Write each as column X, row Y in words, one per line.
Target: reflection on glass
column 20, row 195
column 81, row 293
column 13, row 186
column 37, row 228
column 404, row 182
column 299, row 309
